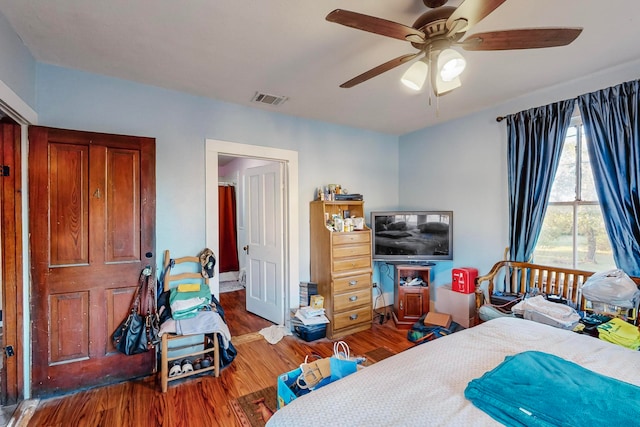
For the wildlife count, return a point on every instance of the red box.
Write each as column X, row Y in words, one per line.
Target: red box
column 463, row 279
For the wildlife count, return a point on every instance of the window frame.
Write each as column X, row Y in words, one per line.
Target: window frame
column 581, row 140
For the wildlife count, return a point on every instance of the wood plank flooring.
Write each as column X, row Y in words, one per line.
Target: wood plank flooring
column 203, row 401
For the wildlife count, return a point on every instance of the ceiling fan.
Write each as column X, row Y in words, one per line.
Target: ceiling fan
column 440, row 29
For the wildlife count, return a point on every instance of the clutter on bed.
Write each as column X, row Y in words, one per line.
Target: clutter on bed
column 612, row 287
column 541, row 310
column 541, row 389
column 612, row 293
column 619, row 332
column 425, row 385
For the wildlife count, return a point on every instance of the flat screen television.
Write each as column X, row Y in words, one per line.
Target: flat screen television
column 412, row 236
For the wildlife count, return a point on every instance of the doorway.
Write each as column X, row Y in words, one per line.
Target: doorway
column 216, row 150
column 16, row 258
column 10, row 261
column 251, row 295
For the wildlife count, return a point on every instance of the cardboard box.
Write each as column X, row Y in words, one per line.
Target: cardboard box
column 461, row 307
column 438, row 319
column 316, row 301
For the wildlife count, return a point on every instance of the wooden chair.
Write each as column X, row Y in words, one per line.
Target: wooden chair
column 171, row 280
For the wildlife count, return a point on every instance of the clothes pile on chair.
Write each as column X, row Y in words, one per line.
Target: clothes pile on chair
column 190, row 308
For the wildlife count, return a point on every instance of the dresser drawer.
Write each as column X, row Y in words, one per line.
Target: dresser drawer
column 342, row 251
column 351, row 318
column 351, row 237
column 352, row 283
column 352, row 300
column 346, row 264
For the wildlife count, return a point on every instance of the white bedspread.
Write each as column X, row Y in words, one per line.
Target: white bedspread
column 424, row 386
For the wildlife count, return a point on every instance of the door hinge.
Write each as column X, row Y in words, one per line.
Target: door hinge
column 6, row 170
column 9, row 351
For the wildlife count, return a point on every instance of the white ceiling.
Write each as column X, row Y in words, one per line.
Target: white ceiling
column 230, row 49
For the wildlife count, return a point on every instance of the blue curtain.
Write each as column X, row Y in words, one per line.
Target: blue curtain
column 612, row 126
column 535, row 140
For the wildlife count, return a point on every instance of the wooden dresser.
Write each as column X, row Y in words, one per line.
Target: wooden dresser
column 341, row 266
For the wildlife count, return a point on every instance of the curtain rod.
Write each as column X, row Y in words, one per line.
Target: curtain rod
column 500, row 118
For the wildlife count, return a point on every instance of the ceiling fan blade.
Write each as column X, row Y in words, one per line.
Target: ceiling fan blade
column 527, row 38
column 376, row 25
column 470, row 12
column 379, row 70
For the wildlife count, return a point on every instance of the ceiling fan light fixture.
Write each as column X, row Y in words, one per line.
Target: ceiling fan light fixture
column 441, row 86
column 415, row 75
column 450, row 65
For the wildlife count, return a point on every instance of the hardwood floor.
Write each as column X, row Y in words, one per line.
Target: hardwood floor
column 203, row 401
column 239, row 320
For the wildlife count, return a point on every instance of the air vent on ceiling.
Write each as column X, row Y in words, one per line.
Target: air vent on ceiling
column 264, row 98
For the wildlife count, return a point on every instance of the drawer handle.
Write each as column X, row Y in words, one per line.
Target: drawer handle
column 353, row 282
column 353, row 317
column 353, row 298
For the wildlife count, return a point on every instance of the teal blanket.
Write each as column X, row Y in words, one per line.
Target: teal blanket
column 540, row 389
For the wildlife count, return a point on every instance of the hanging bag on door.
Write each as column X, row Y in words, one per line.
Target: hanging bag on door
column 132, row 335
column 152, row 319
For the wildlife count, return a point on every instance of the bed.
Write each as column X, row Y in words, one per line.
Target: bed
column 425, row 385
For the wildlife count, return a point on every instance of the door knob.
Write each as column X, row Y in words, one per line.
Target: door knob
column 246, row 249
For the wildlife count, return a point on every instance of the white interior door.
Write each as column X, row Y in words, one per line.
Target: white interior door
column 264, row 234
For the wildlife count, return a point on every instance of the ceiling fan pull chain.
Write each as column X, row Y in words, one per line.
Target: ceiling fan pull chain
column 431, row 91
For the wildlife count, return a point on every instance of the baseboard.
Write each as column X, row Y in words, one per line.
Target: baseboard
column 228, row 276
column 23, row 413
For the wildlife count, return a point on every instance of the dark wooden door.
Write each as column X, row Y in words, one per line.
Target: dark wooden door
column 92, row 230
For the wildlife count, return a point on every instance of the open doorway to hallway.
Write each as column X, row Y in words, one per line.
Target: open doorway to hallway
column 232, row 255
column 287, row 191
column 11, row 266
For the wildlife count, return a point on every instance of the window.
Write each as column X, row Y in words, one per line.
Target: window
column 573, row 234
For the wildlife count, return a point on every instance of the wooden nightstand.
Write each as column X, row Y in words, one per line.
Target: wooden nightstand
column 410, row 301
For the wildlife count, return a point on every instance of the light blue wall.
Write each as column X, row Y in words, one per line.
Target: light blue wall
column 362, row 161
column 17, row 66
column 461, row 166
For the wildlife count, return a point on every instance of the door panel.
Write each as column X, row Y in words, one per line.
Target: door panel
column 92, row 216
column 69, row 327
column 123, row 206
column 118, row 305
column 265, row 256
column 69, row 205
